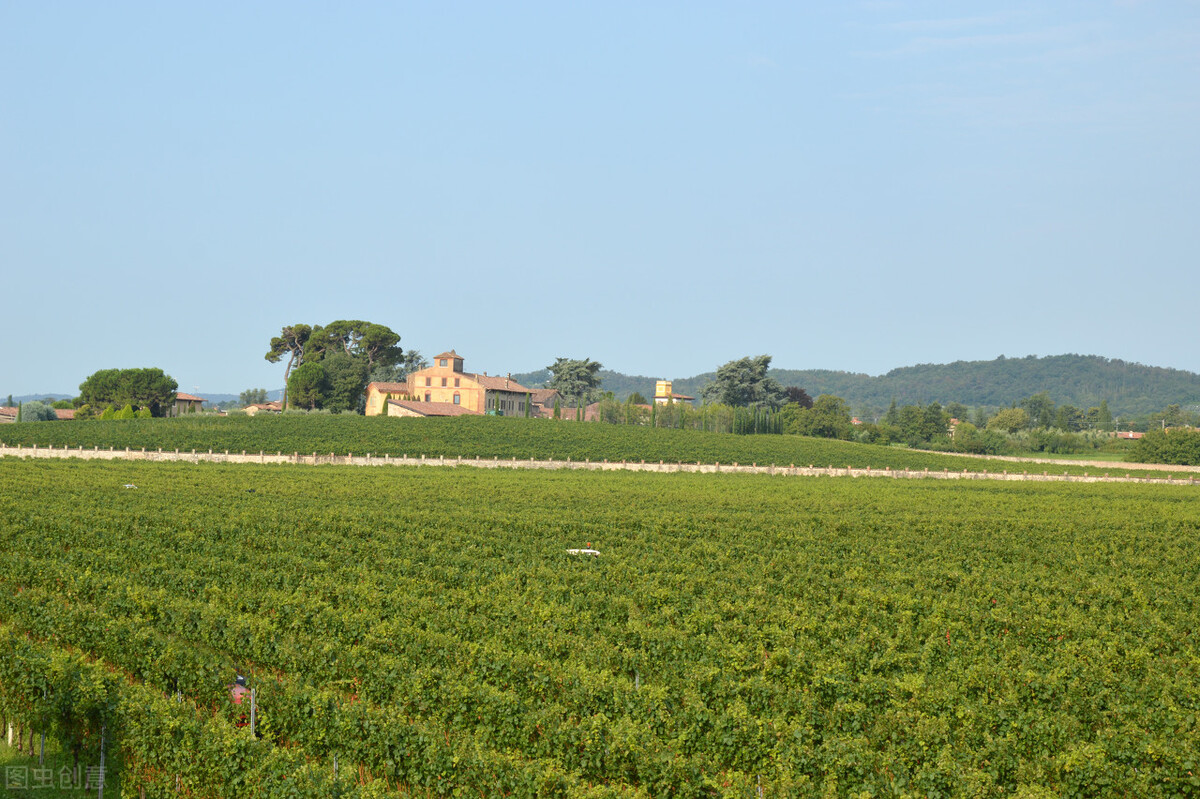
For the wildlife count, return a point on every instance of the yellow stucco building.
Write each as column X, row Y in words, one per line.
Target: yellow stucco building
column 446, row 382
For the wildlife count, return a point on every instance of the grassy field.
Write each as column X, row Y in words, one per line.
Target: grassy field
column 487, row 437
column 812, row 637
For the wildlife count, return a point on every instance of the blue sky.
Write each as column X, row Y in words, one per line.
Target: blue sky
column 661, row 187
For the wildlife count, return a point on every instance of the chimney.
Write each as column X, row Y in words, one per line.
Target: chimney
column 507, row 379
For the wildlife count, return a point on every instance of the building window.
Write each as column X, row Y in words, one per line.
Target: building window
column 457, row 399
column 441, row 362
column 456, row 381
column 427, row 396
column 429, row 381
column 443, row 382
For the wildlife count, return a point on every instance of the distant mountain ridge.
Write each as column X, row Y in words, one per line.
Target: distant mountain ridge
column 1131, row 389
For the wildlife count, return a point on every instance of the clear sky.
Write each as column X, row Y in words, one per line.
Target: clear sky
column 661, row 187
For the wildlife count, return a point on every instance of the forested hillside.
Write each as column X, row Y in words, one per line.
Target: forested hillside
column 1131, row 389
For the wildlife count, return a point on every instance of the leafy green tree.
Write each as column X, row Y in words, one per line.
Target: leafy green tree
column 141, row 388
column 308, row 386
column 373, row 347
column 636, row 399
column 1069, row 418
column 374, row 343
column 291, row 341
column 575, row 380
column 1009, row 420
column 252, row 396
column 125, row 413
column 398, row 371
column 37, row 411
column 744, row 383
column 1040, row 409
column 346, row 381
column 829, row 417
column 956, row 410
column 1100, row 417
column 892, row 417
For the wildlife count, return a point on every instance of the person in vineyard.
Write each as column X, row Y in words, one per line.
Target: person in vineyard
column 237, row 694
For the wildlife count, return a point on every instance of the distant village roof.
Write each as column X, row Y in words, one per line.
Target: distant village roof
column 434, row 408
column 188, row 397
column 65, row 414
column 267, row 406
column 450, row 354
column 6, row 411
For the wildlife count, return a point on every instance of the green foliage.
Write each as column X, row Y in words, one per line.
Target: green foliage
column 1040, row 409
column 308, row 386
column 829, row 417
column 575, row 380
column 125, row 413
column 745, row 383
column 346, row 382
column 1168, row 446
column 1009, row 420
column 1130, row 389
column 140, row 388
column 252, row 396
column 399, row 370
column 349, row 352
column 852, row 637
column 37, row 411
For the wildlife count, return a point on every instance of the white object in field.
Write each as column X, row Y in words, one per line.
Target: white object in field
column 129, row 485
column 582, row 552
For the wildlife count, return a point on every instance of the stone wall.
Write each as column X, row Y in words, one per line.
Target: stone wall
column 369, row 459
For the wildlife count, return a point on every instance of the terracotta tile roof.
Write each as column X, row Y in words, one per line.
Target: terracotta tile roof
column 388, row 386
column 65, row 414
column 544, row 396
column 267, row 406
column 497, row 383
column 8, row 412
column 189, row 397
column 451, row 354
column 434, row 408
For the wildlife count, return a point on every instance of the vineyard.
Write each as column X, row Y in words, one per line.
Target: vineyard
column 424, row 631
column 482, row 436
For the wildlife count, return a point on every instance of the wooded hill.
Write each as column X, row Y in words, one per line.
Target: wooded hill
column 1132, row 389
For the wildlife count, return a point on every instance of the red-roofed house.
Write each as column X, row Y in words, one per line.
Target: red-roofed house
column 8, row 414
column 447, row 383
column 186, row 403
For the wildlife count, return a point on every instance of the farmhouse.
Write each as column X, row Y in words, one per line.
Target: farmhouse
column 447, row 383
column 186, row 403
column 263, row 407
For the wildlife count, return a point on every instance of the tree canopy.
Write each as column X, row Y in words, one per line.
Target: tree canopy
column 252, row 396
column 148, row 388
column 744, row 383
column 37, row 411
column 575, row 380
column 338, row 360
